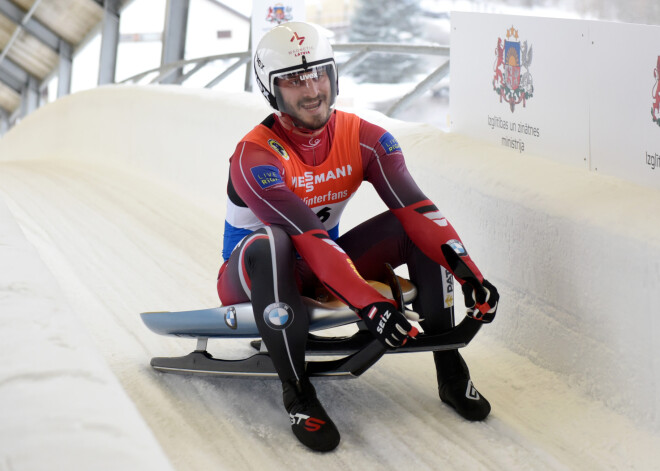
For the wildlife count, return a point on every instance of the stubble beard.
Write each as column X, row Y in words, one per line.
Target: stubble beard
column 311, row 122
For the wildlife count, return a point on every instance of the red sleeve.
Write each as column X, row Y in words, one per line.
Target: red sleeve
column 335, row 269
column 384, row 167
column 256, row 175
column 429, row 230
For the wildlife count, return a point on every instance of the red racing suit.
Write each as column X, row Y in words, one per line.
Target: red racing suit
column 302, row 183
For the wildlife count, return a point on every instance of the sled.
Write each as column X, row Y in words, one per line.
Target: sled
column 357, row 352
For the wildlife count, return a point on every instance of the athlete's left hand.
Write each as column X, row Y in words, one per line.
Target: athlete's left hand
column 481, row 300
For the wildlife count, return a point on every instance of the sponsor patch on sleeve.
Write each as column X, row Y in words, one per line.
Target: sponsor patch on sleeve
column 389, row 143
column 279, row 148
column 266, row 175
column 457, row 247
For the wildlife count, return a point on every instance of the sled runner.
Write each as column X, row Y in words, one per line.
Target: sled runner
column 358, row 351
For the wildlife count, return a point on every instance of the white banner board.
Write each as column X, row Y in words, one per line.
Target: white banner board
column 625, row 101
column 515, row 83
column 579, row 92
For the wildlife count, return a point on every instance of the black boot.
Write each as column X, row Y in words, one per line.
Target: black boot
column 309, row 421
column 456, row 388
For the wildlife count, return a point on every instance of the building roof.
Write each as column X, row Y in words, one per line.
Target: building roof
column 33, row 34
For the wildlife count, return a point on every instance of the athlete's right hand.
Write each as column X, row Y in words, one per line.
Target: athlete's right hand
column 387, row 324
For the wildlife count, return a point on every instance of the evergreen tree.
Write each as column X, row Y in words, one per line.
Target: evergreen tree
column 386, row 21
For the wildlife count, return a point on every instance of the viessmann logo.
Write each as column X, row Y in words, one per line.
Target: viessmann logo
column 309, row 180
column 510, row 82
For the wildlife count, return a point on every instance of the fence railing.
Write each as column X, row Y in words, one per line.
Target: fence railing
column 356, row 52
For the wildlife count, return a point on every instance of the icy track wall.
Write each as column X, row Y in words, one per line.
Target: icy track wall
column 58, row 394
column 576, row 256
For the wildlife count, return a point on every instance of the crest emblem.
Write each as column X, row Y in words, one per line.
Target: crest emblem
column 512, row 80
column 655, row 108
column 278, row 13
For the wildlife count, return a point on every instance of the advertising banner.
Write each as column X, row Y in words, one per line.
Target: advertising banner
column 518, row 82
column 585, row 93
column 625, row 101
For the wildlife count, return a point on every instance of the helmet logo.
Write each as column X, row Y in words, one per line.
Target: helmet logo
column 296, row 37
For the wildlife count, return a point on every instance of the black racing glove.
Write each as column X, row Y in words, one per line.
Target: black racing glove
column 387, row 324
column 480, row 300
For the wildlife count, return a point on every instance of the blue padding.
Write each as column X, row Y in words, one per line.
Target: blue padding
column 233, row 235
column 334, row 232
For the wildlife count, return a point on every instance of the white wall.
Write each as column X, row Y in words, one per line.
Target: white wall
column 576, row 255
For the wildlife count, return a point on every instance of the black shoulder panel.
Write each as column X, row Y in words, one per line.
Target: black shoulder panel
column 269, row 121
column 233, row 196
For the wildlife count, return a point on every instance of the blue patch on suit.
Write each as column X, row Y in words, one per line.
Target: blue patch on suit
column 334, row 232
column 389, row 143
column 266, row 175
column 231, row 238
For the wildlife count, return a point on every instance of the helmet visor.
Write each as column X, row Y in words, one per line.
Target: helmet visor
column 305, row 91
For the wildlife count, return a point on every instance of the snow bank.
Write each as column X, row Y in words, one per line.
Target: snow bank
column 178, row 135
column 58, row 396
column 576, row 255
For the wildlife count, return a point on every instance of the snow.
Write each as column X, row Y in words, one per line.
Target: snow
column 111, row 203
column 62, row 406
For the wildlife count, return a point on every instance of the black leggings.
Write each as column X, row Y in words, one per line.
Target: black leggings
column 263, row 269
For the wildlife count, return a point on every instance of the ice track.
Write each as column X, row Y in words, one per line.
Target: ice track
column 119, row 245
column 120, row 242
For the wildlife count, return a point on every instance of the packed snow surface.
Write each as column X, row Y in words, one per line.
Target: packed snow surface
column 111, row 204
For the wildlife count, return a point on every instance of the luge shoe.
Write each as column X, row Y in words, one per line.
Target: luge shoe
column 465, row 399
column 309, row 421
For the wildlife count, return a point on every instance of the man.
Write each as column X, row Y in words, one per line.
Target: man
column 290, row 178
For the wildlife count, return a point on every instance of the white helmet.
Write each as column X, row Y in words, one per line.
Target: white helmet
column 291, row 48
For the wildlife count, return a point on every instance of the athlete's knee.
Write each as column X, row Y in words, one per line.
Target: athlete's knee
column 266, row 243
column 279, row 236
column 257, row 247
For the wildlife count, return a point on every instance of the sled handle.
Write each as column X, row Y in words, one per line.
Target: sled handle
column 395, row 286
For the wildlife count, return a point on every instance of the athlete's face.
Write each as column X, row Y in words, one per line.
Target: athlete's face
column 306, row 98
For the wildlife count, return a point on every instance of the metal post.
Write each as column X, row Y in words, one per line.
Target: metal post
column 29, row 97
column 353, row 62
column 227, row 71
column 109, row 42
column 248, row 70
column 64, row 70
column 174, row 36
column 4, row 122
column 426, row 84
